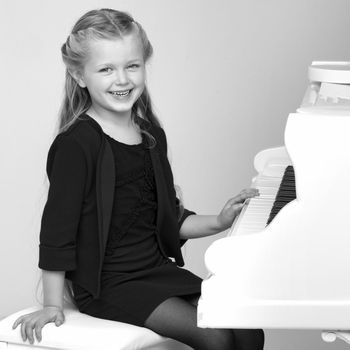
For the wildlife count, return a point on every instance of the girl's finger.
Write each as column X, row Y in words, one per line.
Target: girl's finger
column 238, row 206
column 247, row 190
column 60, row 319
column 250, row 190
column 38, row 328
column 17, row 322
column 23, row 332
column 252, row 194
column 241, row 197
column 233, row 201
column 29, row 332
column 249, row 194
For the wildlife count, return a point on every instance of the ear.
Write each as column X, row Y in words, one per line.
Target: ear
column 78, row 78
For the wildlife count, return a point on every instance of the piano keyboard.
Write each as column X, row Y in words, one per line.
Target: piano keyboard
column 275, row 192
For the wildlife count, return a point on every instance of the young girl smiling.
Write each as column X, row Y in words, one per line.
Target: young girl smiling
column 112, row 224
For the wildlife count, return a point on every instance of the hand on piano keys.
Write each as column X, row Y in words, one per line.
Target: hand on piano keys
column 276, row 185
column 234, row 206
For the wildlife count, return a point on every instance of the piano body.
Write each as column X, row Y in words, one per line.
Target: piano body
column 286, row 259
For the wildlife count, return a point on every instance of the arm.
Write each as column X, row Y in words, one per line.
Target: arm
column 67, row 172
column 196, row 226
column 192, row 225
column 181, row 212
column 53, row 284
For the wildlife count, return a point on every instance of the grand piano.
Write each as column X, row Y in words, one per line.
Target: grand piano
column 285, row 262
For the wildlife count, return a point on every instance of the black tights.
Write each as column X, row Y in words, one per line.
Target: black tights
column 176, row 318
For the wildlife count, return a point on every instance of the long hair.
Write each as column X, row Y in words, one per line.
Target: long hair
column 100, row 24
column 103, row 23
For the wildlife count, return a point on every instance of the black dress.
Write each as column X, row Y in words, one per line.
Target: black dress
column 136, row 277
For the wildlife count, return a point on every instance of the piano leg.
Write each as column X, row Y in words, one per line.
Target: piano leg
column 331, row 336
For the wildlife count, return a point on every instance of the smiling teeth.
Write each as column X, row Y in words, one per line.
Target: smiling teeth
column 120, row 93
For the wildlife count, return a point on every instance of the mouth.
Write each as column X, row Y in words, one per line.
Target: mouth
column 120, row 93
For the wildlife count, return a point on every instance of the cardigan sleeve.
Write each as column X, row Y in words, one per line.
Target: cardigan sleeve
column 66, row 170
column 185, row 212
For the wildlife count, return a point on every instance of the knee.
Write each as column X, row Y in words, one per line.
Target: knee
column 258, row 338
column 220, row 339
column 249, row 339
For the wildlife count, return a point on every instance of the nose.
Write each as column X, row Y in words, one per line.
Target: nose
column 121, row 77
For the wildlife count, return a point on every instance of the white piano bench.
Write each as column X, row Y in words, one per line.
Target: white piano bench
column 84, row 332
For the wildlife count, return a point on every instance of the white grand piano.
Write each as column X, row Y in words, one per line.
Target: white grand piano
column 285, row 262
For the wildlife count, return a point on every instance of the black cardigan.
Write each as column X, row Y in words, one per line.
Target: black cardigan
column 77, row 214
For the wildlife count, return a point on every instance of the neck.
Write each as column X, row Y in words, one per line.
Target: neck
column 120, row 120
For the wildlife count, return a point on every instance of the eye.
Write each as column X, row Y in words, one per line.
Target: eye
column 105, row 69
column 133, row 66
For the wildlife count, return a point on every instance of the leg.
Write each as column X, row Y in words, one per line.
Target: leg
column 176, row 318
column 249, row 339
column 192, row 298
column 246, row 339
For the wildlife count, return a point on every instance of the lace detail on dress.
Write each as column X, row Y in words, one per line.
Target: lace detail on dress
column 147, row 197
column 150, row 184
column 130, row 177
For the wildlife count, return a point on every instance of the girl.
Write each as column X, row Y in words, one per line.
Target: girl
column 112, row 224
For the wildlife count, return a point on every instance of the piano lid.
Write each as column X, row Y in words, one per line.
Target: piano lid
column 328, row 91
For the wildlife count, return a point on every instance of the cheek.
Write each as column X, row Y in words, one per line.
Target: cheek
column 140, row 77
column 139, row 91
column 97, row 84
column 140, row 82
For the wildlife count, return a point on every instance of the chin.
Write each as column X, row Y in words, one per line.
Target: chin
column 120, row 110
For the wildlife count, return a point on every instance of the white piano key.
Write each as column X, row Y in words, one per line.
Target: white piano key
column 253, row 219
column 256, row 212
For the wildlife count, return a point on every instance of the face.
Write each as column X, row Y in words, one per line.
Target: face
column 114, row 74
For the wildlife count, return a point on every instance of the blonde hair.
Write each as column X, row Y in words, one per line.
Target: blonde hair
column 104, row 23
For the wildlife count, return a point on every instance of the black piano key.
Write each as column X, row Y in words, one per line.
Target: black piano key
column 286, row 193
column 284, row 199
column 289, row 183
column 279, row 205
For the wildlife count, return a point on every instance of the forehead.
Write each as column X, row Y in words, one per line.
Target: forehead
column 118, row 51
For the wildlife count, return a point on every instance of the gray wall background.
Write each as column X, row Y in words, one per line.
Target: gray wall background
column 224, row 76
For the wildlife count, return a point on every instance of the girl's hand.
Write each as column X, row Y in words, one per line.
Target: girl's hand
column 37, row 320
column 233, row 207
